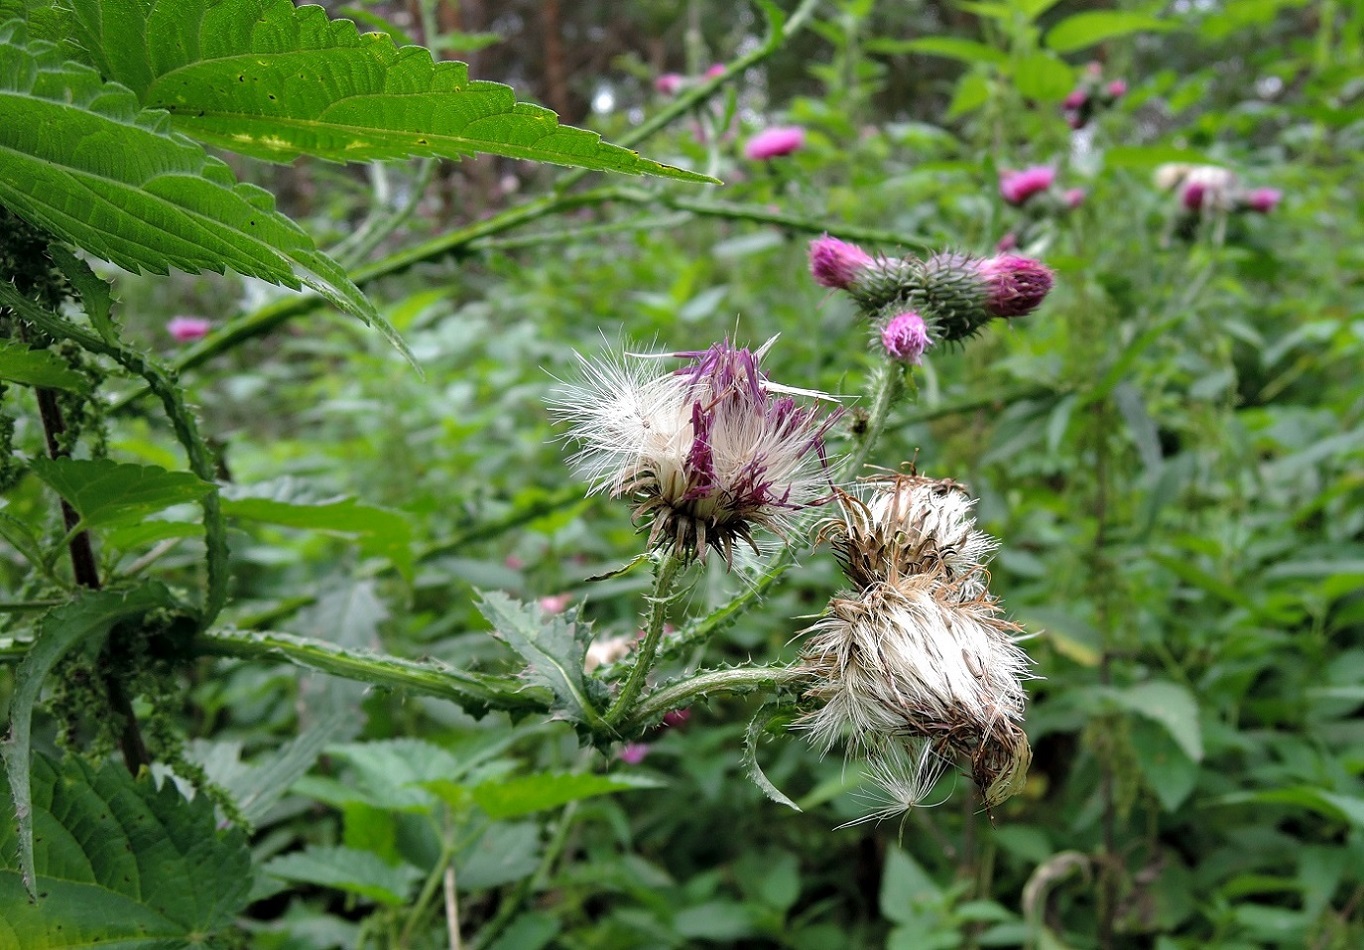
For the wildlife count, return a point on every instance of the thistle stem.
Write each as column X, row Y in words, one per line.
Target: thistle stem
column 739, row 679
column 890, row 385
column 668, row 570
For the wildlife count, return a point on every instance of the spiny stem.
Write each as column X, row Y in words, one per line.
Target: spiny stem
column 890, row 385
column 668, row 569
column 739, row 679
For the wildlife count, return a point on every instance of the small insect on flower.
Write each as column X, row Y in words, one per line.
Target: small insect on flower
column 707, row 451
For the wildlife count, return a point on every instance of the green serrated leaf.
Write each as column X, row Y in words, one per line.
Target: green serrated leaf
column 81, row 158
column 89, row 615
column 1171, row 706
column 275, row 81
column 554, row 648
column 105, row 492
column 286, row 503
column 1095, row 26
column 30, row 367
column 95, row 292
column 357, row 872
column 1043, row 77
column 951, row 47
column 764, row 718
column 527, row 794
column 120, row 863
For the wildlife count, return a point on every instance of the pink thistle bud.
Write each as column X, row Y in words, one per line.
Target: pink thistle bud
column 633, row 753
column 774, row 142
column 1263, row 200
column 1074, row 198
column 1076, row 99
column 514, row 562
column 1116, row 89
column 1094, row 68
column 668, row 84
column 1075, row 120
column 836, row 263
column 906, row 337
column 717, row 70
column 1193, row 195
column 1007, row 243
column 1014, row 286
column 676, row 717
column 555, row 603
column 188, row 329
column 1018, row 187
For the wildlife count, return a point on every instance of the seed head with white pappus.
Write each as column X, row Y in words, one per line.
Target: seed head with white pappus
column 919, row 651
column 707, row 451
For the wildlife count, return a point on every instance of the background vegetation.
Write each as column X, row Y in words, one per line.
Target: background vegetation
column 1170, row 451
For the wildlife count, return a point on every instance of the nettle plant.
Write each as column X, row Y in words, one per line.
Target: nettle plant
column 107, row 108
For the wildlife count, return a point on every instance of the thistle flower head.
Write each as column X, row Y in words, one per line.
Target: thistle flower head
column 836, row 263
column 1014, row 286
column 1017, row 187
column 669, row 84
column 905, row 337
column 1075, row 98
column 776, row 141
column 707, row 452
column 919, row 651
column 188, row 329
column 1074, row 198
column 1263, row 200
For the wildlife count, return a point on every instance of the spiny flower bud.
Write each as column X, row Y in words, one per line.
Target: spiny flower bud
column 1016, row 187
column 708, row 451
column 905, row 337
column 883, row 281
column 1014, row 286
column 836, row 263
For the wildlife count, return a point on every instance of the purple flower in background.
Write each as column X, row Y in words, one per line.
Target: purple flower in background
column 1116, row 89
column 555, row 603
column 836, row 263
column 675, row 717
column 633, row 753
column 776, row 141
column 707, row 452
column 716, row 70
column 669, row 83
column 1263, row 200
column 188, row 329
column 1076, row 99
column 1014, row 286
column 1193, row 195
column 1017, row 187
column 906, row 337
column 1074, row 198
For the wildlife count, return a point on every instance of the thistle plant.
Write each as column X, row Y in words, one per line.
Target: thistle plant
column 914, row 668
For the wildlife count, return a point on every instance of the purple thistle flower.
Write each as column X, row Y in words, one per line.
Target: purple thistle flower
column 1074, row 198
column 1263, row 200
column 905, row 337
column 707, row 451
column 188, row 329
column 669, row 84
column 1018, row 186
column 836, row 263
column 1014, row 286
column 776, row 141
column 633, row 753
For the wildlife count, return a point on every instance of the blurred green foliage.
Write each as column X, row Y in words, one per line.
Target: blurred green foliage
column 1170, row 452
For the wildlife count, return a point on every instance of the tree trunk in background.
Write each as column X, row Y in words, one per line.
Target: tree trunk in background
column 556, row 80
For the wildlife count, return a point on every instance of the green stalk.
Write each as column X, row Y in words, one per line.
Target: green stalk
column 668, row 570
column 743, row 679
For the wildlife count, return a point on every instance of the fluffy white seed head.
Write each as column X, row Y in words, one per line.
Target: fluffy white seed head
column 707, row 451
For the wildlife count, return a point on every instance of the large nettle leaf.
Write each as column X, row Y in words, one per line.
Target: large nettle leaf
column 84, row 618
column 106, row 493
column 275, row 81
column 82, row 159
column 119, row 863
